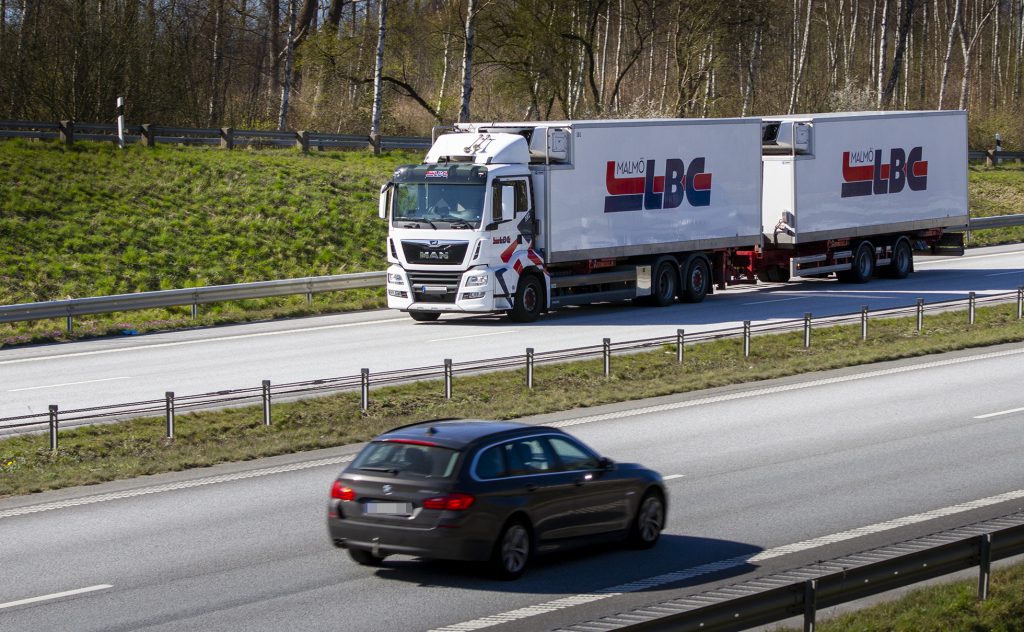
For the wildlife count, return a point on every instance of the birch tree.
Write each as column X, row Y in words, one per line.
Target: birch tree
column 467, row 62
column 378, row 73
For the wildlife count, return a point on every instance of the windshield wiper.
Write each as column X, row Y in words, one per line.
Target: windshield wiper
column 456, row 222
column 417, row 220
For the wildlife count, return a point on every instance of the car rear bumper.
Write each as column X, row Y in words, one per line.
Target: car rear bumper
column 451, row 542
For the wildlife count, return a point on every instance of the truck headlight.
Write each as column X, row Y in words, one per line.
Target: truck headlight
column 396, row 278
column 475, row 280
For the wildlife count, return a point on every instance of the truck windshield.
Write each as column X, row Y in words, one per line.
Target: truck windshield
column 440, row 205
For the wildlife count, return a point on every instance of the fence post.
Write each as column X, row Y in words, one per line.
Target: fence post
column 529, row 368
column 920, row 314
column 970, row 308
column 227, row 138
column 984, row 565
column 607, row 353
column 680, row 335
column 169, row 413
column 447, row 378
column 302, row 141
column 53, row 427
column 120, row 122
column 195, row 305
column 266, row 403
column 148, row 138
column 807, row 330
column 746, row 339
column 364, row 389
column 1020, row 302
column 863, row 322
column 66, row 132
column 810, row 604
column 71, row 321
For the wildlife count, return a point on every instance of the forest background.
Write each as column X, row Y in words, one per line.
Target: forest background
column 401, row 66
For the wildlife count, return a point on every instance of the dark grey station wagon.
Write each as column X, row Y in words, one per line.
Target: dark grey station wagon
column 496, row 492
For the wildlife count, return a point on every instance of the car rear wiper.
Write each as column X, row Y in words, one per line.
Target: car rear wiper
column 389, row 470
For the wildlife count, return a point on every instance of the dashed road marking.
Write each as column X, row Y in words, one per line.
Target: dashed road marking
column 1000, row 413
column 66, row 593
column 36, row 388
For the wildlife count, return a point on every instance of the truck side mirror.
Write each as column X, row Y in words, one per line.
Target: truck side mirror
column 382, row 203
column 508, row 203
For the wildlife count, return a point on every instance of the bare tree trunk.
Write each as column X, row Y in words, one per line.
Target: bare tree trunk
column 604, row 51
column 950, row 38
column 214, row 110
column 1019, row 64
column 752, row 62
column 286, row 88
column 467, row 62
column 275, row 45
column 799, row 70
column 967, row 52
column 883, row 52
column 378, row 82
column 446, row 63
column 906, row 13
column 618, row 54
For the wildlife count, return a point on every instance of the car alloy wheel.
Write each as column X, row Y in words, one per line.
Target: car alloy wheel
column 513, row 551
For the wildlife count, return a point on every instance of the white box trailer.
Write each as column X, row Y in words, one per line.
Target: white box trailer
column 846, row 177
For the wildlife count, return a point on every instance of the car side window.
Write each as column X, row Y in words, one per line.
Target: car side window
column 491, row 463
column 573, row 456
column 527, row 456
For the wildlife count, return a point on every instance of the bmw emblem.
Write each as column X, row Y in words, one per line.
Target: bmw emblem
column 387, row 489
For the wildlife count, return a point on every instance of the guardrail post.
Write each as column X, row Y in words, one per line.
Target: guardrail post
column 266, row 403
column 447, row 378
column 970, row 308
column 807, row 330
column 920, row 314
column 195, row 305
column 746, row 339
column 169, row 413
column 1020, row 302
column 607, row 353
column 227, row 138
column 53, row 427
column 680, row 336
column 66, row 132
column 863, row 322
column 529, row 368
column 810, row 604
column 364, row 389
column 984, row 565
column 71, row 322
column 302, row 141
column 148, row 136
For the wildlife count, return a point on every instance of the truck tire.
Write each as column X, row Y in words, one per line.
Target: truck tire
column 425, row 317
column 863, row 265
column 902, row 261
column 774, row 274
column 529, row 300
column 664, row 284
column 696, row 281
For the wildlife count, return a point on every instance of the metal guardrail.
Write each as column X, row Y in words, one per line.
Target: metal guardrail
column 266, row 393
column 196, row 296
column 803, row 591
column 999, row 221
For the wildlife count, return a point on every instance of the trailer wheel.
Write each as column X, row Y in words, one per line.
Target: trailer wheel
column 529, row 300
column 666, row 280
column 863, row 265
column 696, row 281
column 902, row 261
column 425, row 317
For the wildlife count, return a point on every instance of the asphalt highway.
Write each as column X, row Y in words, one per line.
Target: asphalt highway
column 751, row 470
column 128, row 369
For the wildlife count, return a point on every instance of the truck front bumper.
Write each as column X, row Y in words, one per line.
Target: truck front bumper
column 461, row 297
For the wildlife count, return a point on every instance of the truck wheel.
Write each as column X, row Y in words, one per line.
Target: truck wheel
column 902, row 261
column 425, row 317
column 529, row 300
column 663, row 291
column 863, row 265
column 696, row 281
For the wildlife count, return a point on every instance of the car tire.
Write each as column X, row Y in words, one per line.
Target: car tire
column 512, row 551
column 696, row 281
column 425, row 317
column 529, row 300
column 365, row 558
column 648, row 522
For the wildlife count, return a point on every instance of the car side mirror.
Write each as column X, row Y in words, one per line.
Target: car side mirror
column 382, row 203
column 606, row 464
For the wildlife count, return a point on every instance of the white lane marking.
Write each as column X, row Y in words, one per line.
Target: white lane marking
column 156, row 489
column 490, row 333
column 1005, row 273
column 672, row 477
column 782, row 389
column 777, row 300
column 198, row 342
column 36, row 388
column 1002, row 412
column 66, row 593
column 713, row 567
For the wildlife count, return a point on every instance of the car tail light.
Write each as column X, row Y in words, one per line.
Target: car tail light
column 341, row 492
column 452, row 502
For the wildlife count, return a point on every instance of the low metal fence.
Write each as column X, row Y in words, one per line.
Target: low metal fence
column 171, row 404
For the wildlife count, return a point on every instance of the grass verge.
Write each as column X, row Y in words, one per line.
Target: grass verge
column 101, row 453
column 950, row 607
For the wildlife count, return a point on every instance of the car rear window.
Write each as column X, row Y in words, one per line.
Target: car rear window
column 407, row 459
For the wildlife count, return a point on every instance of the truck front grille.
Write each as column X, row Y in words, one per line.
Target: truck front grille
column 434, row 287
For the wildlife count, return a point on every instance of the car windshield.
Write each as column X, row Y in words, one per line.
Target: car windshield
column 403, row 458
column 438, row 205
